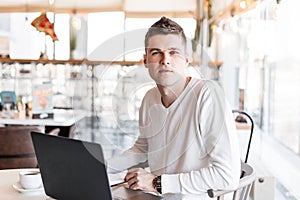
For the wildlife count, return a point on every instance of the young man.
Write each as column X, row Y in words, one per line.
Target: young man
column 187, row 131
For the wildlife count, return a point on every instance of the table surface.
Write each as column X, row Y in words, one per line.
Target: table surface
column 11, row 176
column 7, row 192
column 61, row 118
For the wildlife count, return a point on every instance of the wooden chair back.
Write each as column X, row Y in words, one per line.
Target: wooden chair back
column 16, row 148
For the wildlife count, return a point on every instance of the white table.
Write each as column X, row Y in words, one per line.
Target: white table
column 7, row 192
column 63, row 119
column 11, row 176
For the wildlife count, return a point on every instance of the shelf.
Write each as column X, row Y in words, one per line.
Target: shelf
column 78, row 62
column 81, row 84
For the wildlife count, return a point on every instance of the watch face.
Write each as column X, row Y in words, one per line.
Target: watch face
column 157, row 182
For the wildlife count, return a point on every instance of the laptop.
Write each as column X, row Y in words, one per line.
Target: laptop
column 71, row 169
column 74, row 169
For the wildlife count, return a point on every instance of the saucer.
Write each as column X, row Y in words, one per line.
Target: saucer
column 17, row 186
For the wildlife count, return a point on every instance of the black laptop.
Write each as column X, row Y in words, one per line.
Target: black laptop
column 71, row 169
column 75, row 170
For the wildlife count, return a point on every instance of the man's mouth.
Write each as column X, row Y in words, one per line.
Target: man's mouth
column 165, row 70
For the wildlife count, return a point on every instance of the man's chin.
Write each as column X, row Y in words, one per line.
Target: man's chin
column 166, row 83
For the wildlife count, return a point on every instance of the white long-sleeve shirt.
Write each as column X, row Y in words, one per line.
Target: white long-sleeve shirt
column 192, row 144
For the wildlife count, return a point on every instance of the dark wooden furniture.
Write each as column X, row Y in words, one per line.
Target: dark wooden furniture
column 16, row 148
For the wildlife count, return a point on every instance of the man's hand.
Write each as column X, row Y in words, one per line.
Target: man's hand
column 140, row 179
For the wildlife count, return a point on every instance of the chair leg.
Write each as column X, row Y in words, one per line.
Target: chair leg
column 247, row 192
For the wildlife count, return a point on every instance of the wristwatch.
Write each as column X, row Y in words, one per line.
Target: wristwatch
column 156, row 183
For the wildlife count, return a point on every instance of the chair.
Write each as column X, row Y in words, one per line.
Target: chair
column 243, row 124
column 247, row 173
column 16, row 148
column 243, row 190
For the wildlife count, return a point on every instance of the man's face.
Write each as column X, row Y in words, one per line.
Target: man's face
column 166, row 59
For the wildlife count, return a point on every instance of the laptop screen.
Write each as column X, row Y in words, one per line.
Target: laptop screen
column 71, row 169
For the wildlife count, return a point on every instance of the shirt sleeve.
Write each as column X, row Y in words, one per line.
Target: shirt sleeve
column 133, row 156
column 217, row 133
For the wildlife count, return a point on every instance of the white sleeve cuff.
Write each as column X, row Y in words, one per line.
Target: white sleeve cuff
column 170, row 183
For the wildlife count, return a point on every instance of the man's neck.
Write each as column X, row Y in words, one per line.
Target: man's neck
column 170, row 93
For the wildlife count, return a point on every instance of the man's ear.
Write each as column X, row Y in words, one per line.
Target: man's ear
column 187, row 61
column 145, row 60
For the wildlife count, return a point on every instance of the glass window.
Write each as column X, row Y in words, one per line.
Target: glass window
column 104, row 39
column 108, row 35
column 30, row 43
column 284, row 76
column 62, row 27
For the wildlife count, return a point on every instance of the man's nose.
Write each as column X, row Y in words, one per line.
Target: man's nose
column 165, row 59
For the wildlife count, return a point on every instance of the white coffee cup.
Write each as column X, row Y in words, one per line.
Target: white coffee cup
column 30, row 179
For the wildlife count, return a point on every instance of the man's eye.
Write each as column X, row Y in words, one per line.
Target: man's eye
column 155, row 53
column 174, row 52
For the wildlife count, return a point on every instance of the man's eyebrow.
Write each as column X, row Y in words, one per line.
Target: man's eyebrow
column 174, row 48
column 157, row 49
column 154, row 49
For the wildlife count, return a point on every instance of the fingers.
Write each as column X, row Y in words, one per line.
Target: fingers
column 136, row 183
column 133, row 173
column 139, row 179
column 136, row 186
column 130, row 176
column 133, row 179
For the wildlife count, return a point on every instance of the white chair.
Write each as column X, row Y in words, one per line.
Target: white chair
column 243, row 190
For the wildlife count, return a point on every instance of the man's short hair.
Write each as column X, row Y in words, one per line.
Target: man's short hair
column 165, row 26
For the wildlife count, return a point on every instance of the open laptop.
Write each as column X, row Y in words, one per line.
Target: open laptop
column 74, row 169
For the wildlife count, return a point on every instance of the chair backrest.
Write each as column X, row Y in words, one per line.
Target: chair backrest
column 243, row 123
column 242, row 192
column 16, row 148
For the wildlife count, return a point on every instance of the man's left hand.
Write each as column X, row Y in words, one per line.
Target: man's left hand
column 140, row 179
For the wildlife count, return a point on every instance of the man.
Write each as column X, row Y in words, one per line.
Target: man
column 187, row 131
